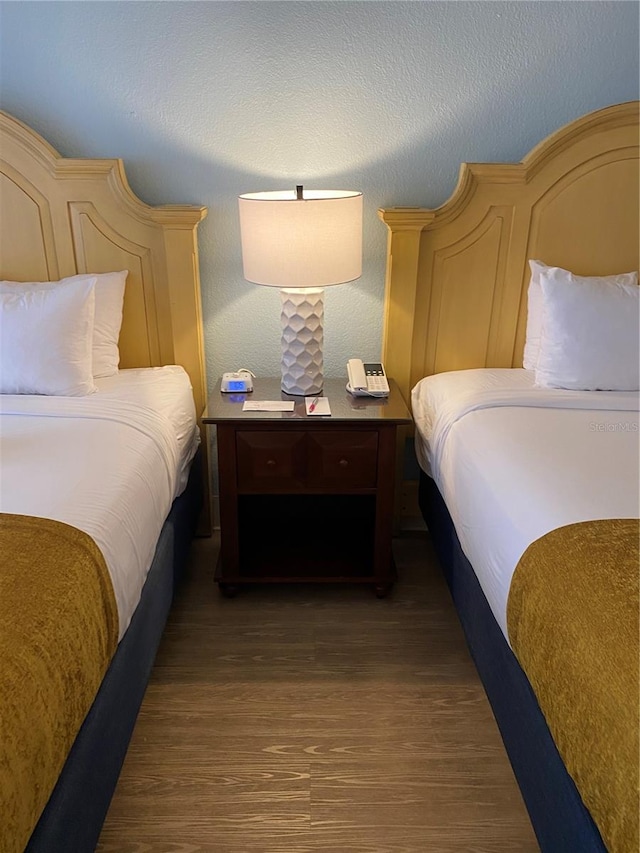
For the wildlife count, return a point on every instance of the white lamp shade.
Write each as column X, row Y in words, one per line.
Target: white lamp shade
column 289, row 242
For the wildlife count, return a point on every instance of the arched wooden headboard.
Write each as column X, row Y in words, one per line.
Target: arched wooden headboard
column 457, row 276
column 59, row 217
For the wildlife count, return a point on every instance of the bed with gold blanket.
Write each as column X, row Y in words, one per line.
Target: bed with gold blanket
column 121, row 467
column 87, row 487
column 504, row 309
column 58, row 633
column 531, row 496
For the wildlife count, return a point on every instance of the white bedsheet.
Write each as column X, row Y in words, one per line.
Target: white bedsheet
column 110, row 464
column 513, row 462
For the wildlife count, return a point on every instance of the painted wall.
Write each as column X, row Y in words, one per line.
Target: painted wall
column 205, row 100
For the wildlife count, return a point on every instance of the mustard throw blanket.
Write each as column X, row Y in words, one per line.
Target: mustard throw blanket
column 58, row 632
column 572, row 617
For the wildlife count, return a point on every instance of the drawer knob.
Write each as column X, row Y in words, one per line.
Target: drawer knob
column 343, row 463
column 271, row 463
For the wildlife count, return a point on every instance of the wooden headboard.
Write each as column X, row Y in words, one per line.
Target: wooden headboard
column 457, row 276
column 59, row 217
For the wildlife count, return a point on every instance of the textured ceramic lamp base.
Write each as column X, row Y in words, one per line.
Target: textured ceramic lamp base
column 302, row 337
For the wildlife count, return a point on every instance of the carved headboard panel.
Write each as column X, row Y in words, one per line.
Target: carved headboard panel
column 59, row 217
column 457, row 276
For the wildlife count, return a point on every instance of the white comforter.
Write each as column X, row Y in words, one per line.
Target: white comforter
column 513, row 462
column 110, row 464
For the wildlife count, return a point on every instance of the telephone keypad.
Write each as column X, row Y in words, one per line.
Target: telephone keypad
column 376, row 379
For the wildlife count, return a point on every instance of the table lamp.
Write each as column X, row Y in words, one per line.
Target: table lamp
column 301, row 242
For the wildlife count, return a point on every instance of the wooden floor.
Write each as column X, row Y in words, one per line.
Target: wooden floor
column 303, row 719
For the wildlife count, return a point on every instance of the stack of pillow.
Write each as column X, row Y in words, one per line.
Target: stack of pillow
column 583, row 332
column 57, row 337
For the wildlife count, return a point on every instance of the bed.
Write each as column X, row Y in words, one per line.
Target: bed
column 103, row 482
column 517, row 472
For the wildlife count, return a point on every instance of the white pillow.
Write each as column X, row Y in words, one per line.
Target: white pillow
column 590, row 337
column 108, row 314
column 45, row 340
column 535, row 306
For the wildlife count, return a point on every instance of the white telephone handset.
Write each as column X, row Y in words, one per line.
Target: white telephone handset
column 366, row 379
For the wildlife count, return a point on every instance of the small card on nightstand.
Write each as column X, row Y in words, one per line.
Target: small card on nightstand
column 317, row 405
column 268, row 406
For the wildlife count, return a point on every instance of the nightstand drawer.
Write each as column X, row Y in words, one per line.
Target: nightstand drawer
column 271, row 460
column 292, row 461
column 343, row 459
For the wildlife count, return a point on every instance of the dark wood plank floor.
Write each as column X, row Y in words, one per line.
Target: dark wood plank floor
column 304, row 719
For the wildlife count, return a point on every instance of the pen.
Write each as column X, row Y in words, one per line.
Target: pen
column 314, row 403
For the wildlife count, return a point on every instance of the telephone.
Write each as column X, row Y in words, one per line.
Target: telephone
column 366, row 379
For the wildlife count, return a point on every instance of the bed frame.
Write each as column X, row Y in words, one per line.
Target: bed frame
column 59, row 217
column 456, row 297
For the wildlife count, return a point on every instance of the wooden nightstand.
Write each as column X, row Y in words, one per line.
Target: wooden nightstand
column 304, row 498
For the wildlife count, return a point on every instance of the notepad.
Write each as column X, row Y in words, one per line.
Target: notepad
column 268, row 406
column 317, row 406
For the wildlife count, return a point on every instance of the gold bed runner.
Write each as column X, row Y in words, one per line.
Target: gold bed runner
column 58, row 632
column 572, row 617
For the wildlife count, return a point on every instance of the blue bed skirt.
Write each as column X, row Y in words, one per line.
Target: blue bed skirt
column 560, row 820
column 72, row 819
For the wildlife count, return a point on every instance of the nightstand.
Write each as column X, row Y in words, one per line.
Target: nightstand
column 306, row 498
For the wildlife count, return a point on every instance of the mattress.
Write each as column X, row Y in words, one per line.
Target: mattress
column 513, row 462
column 110, row 464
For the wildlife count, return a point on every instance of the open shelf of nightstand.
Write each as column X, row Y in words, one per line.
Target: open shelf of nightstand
column 306, row 537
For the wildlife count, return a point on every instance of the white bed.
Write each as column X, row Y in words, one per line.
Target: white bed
column 109, row 463
column 514, row 461
column 547, row 480
column 120, row 465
